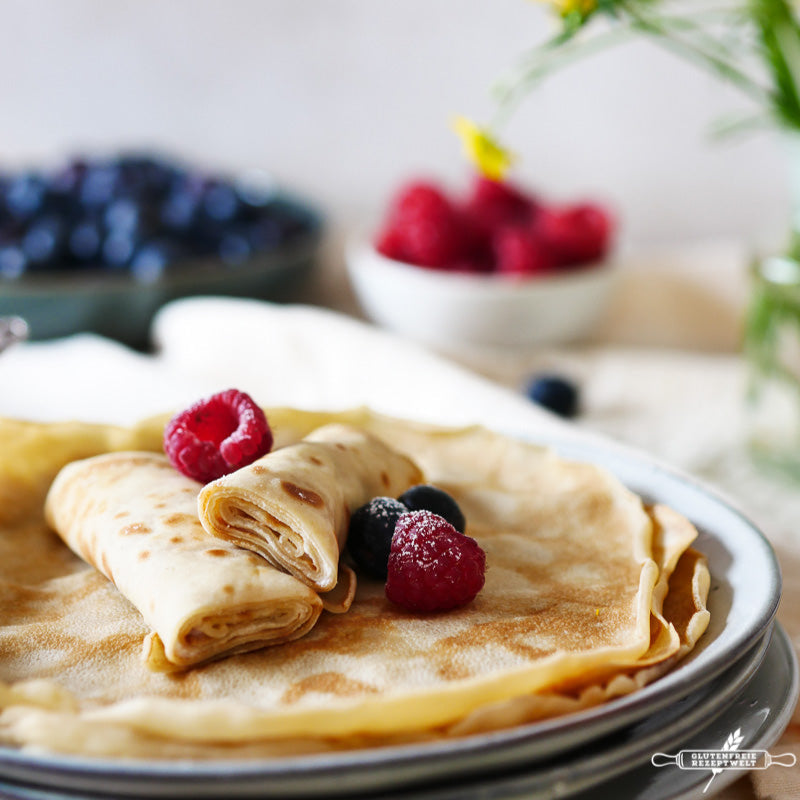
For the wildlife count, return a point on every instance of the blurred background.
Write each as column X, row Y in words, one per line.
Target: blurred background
column 343, row 100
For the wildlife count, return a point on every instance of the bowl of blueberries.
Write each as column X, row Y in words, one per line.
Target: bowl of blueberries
column 99, row 244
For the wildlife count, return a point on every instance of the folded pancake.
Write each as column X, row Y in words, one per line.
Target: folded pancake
column 293, row 506
column 133, row 517
column 577, row 571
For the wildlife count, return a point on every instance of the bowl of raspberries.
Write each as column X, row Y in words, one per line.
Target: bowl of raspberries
column 98, row 243
column 497, row 266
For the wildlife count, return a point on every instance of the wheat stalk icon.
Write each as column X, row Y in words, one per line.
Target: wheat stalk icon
column 731, row 743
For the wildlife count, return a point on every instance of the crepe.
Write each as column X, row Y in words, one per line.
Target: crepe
column 585, row 587
column 293, row 506
column 133, row 517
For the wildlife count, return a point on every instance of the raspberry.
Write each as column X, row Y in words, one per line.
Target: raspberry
column 418, row 198
column 390, row 243
column 423, row 228
column 217, row 435
column 577, row 234
column 431, row 242
column 520, row 252
column 433, row 567
column 493, row 204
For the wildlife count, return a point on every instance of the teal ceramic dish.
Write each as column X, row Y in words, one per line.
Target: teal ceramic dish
column 121, row 307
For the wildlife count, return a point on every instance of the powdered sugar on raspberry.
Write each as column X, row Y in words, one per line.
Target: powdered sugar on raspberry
column 433, row 567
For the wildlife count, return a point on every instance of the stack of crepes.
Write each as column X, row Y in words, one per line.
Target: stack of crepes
column 589, row 594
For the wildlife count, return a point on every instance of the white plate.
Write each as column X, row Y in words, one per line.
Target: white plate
column 745, row 591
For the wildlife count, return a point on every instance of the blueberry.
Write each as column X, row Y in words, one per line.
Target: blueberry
column 117, row 250
column 25, row 195
column 369, row 538
column 430, row 498
column 122, row 215
column 99, row 185
column 555, row 393
column 12, row 262
column 43, row 242
column 179, row 210
column 84, row 241
column 220, row 202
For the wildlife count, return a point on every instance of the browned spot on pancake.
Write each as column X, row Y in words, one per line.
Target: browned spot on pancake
column 216, row 552
column 327, row 683
column 135, row 528
column 227, row 588
column 160, row 505
column 303, row 495
column 384, row 479
column 121, row 642
column 47, row 603
column 258, row 469
column 315, row 460
column 340, row 446
column 450, row 671
column 144, row 555
column 68, row 650
column 121, row 514
column 178, row 519
column 176, row 539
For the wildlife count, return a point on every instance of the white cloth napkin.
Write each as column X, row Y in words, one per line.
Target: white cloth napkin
column 282, row 355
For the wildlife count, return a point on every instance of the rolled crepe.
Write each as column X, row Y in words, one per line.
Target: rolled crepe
column 134, row 518
column 293, row 505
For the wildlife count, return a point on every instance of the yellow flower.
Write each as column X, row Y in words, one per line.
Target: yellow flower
column 582, row 7
column 482, row 149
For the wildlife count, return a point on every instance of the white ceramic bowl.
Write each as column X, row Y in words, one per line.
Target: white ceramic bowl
column 453, row 310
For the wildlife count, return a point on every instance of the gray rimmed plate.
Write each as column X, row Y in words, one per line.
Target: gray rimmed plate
column 742, row 608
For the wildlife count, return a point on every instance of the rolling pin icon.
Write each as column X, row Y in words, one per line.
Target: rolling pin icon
column 716, row 759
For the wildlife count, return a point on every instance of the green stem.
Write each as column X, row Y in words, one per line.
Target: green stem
column 545, row 59
column 790, row 50
column 678, row 34
column 767, row 315
column 697, row 52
